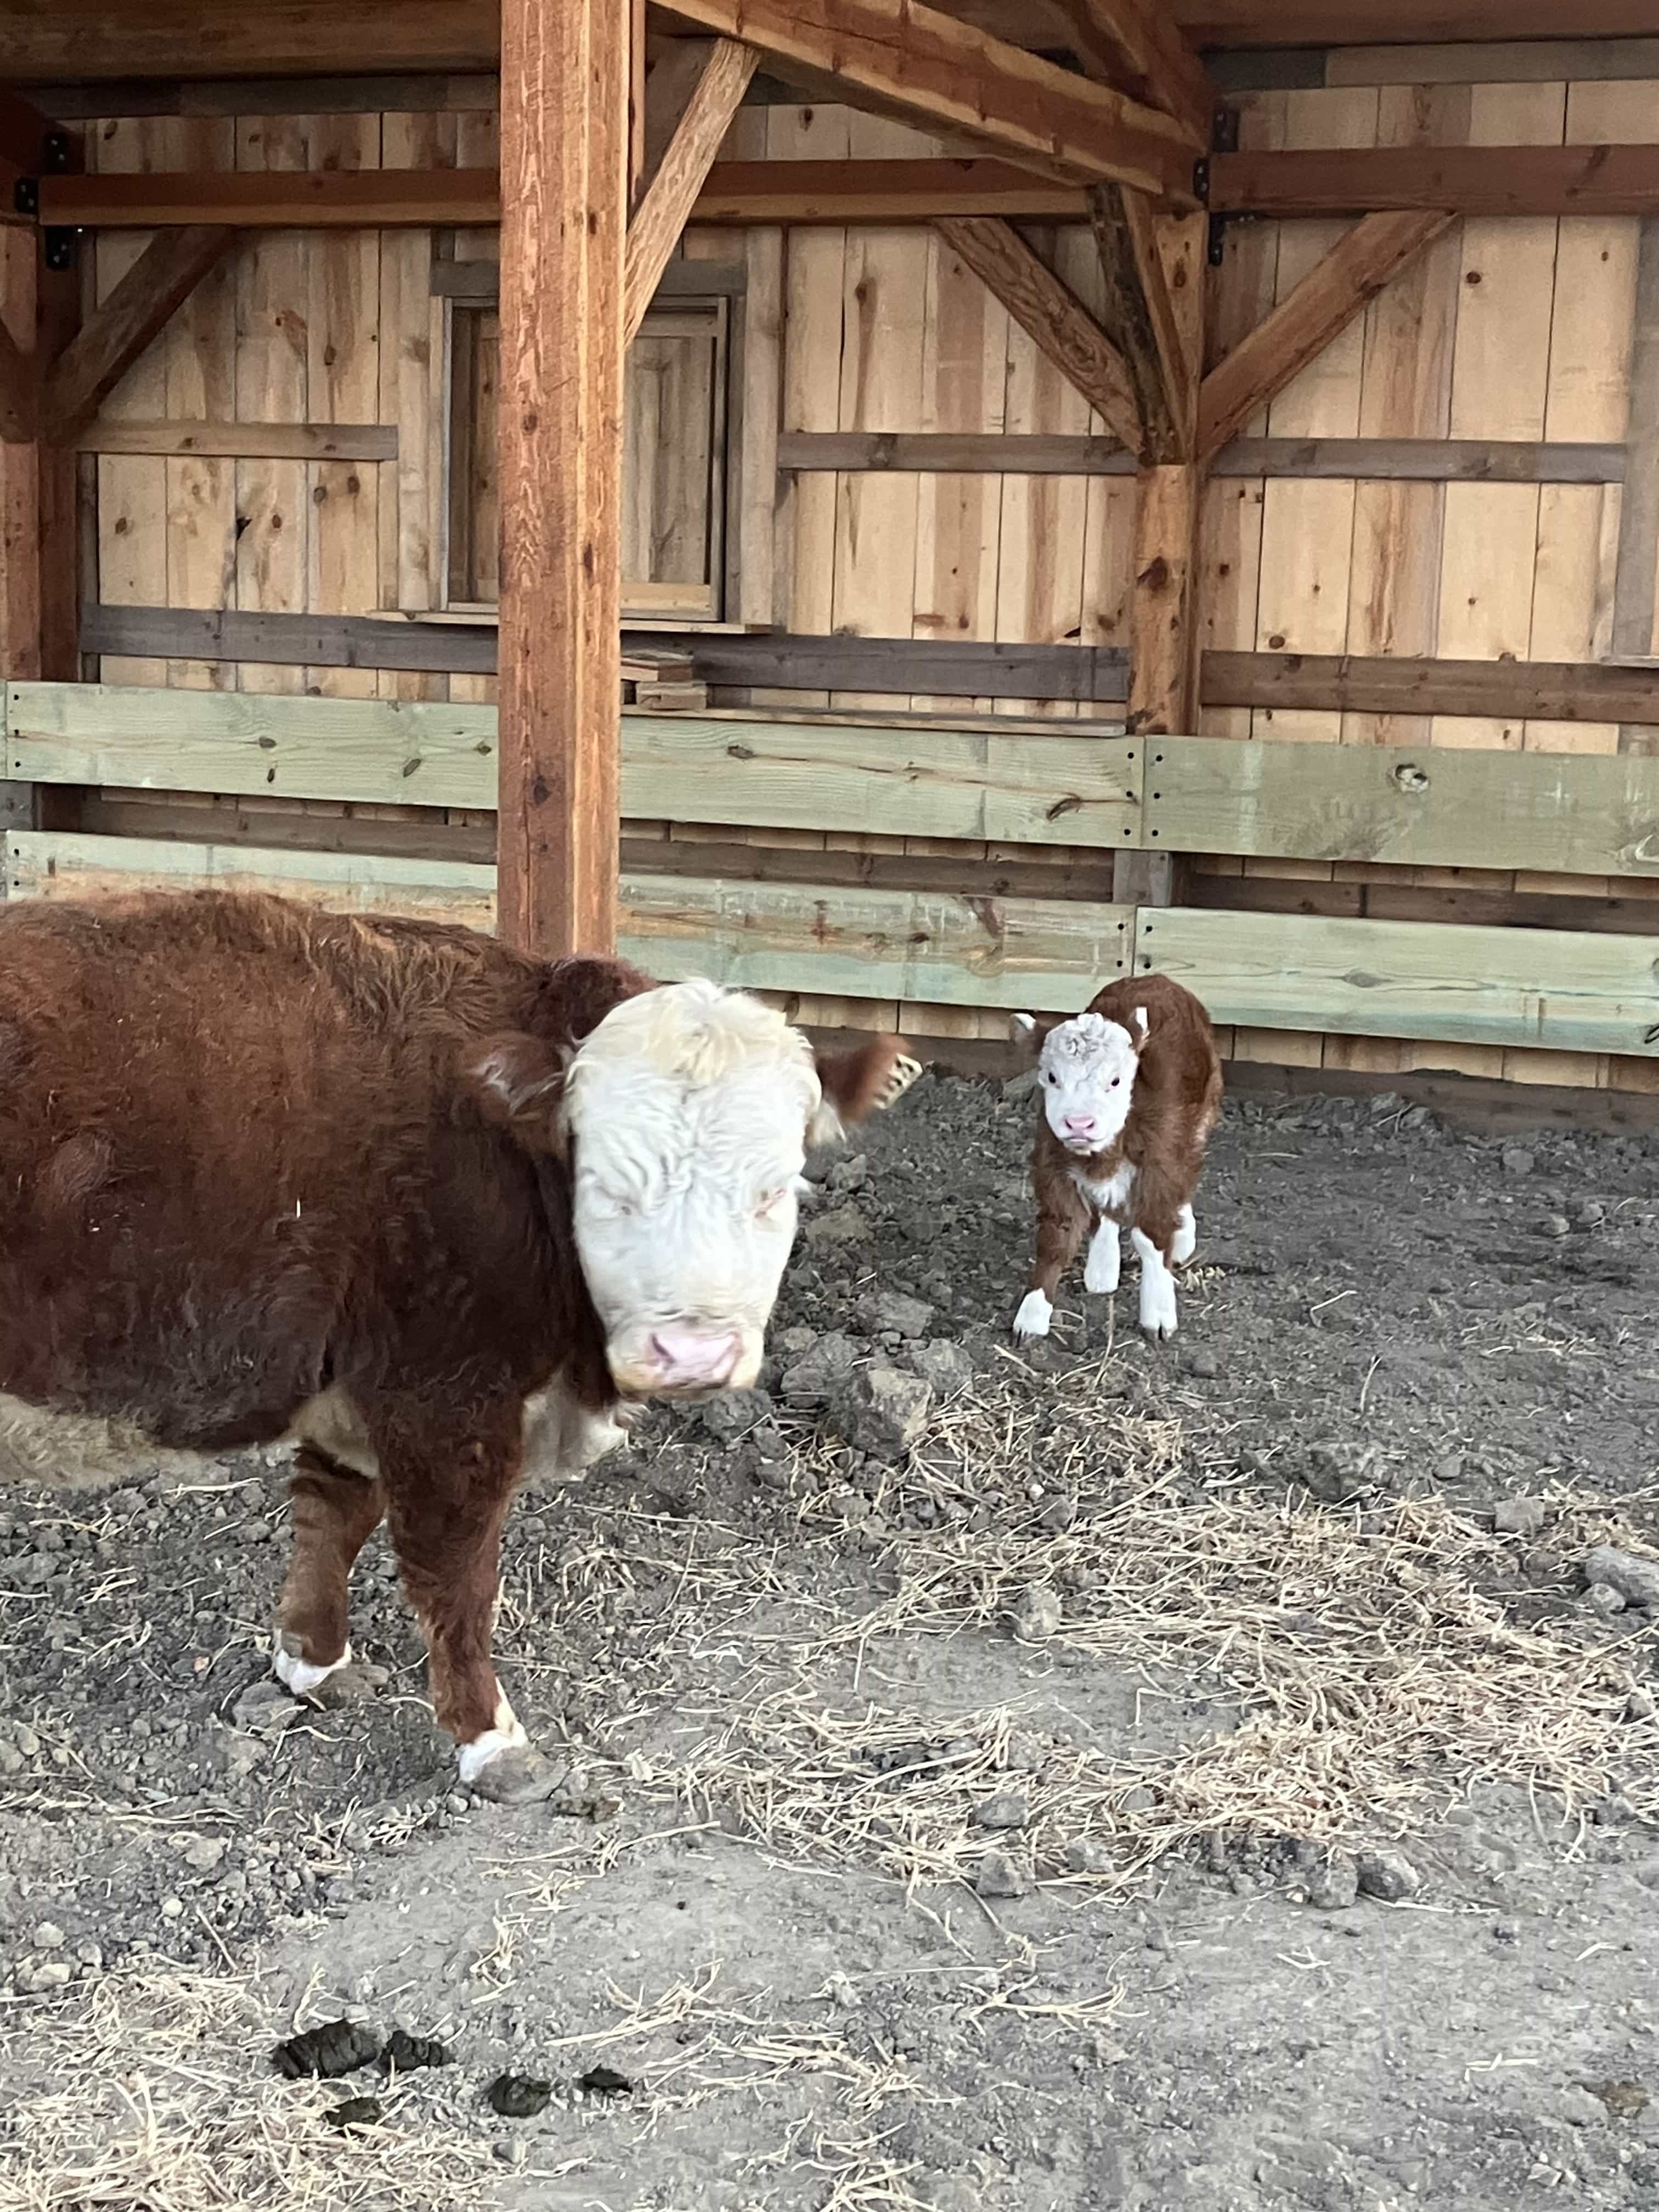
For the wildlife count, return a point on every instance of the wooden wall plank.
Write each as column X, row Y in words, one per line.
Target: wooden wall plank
column 1405, row 392
column 1476, row 808
column 1500, row 381
column 132, row 493
column 1557, row 990
column 890, row 946
column 1307, row 529
column 273, row 516
column 1021, row 787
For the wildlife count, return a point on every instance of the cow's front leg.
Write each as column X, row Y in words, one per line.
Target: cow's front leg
column 447, row 1502
column 335, row 1512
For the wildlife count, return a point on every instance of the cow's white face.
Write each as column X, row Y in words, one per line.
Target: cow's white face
column 686, row 1113
column 1086, row 1073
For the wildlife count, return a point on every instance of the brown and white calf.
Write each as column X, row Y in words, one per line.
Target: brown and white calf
column 1131, row 1088
column 428, row 1208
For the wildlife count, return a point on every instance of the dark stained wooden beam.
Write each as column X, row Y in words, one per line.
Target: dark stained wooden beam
column 1397, row 460
column 1528, row 180
column 159, row 282
column 565, row 177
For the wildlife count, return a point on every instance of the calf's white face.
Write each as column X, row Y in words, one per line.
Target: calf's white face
column 687, row 1113
column 1086, row 1073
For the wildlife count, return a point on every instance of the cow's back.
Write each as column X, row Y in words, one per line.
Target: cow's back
column 229, row 1129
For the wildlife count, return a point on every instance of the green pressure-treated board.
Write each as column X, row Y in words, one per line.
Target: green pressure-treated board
column 1014, row 787
column 1578, row 813
column 1561, row 988
column 1047, row 954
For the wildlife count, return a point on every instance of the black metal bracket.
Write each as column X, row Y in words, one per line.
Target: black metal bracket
column 58, row 248
column 26, row 197
column 1202, row 179
column 55, row 153
column 1224, row 139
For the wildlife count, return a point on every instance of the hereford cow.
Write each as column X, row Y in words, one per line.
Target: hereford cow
column 1131, row 1088
column 387, row 1189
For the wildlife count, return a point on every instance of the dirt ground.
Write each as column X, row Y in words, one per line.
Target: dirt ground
column 1203, row 1777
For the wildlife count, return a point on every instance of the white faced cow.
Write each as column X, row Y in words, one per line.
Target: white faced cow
column 425, row 1206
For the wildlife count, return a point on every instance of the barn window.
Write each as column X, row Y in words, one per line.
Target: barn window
column 673, row 460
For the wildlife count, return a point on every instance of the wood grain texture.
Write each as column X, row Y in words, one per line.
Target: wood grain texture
column 116, row 332
column 1020, row 786
column 287, row 441
column 1561, row 990
column 279, row 199
column 663, row 213
column 1305, row 323
column 808, row 192
column 1572, row 814
column 1139, row 316
column 1372, row 459
column 564, row 148
column 1487, row 179
column 1163, row 645
column 936, row 71
column 1137, row 45
column 1052, row 317
column 20, row 545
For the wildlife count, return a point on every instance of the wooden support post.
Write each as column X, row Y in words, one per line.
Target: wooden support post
column 57, row 321
column 1163, row 626
column 564, row 174
column 1635, row 581
column 159, row 282
column 20, row 550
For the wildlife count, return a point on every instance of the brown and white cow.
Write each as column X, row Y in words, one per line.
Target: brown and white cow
column 1131, row 1088
column 388, row 1189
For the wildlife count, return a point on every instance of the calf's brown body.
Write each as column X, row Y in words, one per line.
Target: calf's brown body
column 1150, row 1172
column 247, row 1188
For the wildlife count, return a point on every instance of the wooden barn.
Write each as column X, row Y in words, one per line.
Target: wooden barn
column 985, row 496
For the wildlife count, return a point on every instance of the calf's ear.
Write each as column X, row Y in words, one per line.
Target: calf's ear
column 518, row 1082
column 1028, row 1031
column 860, row 1083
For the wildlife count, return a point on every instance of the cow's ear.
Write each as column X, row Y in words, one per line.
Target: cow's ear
column 860, row 1083
column 518, row 1081
column 1027, row 1032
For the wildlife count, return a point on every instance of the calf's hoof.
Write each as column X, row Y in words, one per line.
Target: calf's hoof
column 522, row 1775
column 1034, row 1317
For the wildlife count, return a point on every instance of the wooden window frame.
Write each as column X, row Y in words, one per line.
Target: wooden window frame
column 715, row 290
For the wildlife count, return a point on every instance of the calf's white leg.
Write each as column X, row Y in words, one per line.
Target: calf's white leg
column 1035, row 1312
column 1157, row 1294
column 1104, row 1263
column 1186, row 1238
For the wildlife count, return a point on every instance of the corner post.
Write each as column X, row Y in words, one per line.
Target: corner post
column 565, row 147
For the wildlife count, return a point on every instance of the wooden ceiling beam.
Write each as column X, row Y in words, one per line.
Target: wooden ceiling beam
column 1523, row 180
column 1480, row 180
column 1138, row 47
column 672, row 192
column 945, row 75
column 1306, row 321
column 99, row 355
column 1052, row 317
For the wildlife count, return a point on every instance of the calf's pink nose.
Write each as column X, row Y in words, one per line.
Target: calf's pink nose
column 685, row 1356
column 1079, row 1125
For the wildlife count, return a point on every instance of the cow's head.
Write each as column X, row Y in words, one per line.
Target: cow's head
column 685, row 1115
column 1086, row 1070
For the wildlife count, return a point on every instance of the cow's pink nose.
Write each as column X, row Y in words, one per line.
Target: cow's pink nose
column 685, row 1357
column 1079, row 1125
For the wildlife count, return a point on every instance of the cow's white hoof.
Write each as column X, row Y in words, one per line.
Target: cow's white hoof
column 1034, row 1316
column 297, row 1675
column 1104, row 1264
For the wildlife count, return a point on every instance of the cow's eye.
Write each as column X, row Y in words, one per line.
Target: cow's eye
column 1116, row 1079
